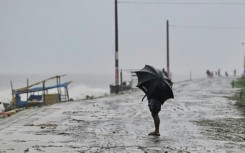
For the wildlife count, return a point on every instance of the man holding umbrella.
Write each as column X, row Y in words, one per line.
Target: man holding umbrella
column 155, row 107
column 158, row 88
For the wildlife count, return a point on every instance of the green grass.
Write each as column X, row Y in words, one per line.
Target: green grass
column 240, row 83
column 240, row 96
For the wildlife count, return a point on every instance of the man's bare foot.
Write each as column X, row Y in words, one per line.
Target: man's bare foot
column 154, row 134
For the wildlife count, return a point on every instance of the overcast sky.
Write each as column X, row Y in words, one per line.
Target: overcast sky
column 77, row 36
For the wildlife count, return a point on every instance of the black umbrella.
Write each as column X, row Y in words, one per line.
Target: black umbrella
column 154, row 83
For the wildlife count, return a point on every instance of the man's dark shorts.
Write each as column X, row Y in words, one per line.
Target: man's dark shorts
column 154, row 106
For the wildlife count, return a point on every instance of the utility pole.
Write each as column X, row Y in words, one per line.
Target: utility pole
column 116, row 51
column 168, row 69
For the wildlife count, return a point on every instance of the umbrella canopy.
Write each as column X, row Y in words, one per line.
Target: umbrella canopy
column 154, row 83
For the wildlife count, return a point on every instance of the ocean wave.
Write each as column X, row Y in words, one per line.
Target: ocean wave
column 83, row 91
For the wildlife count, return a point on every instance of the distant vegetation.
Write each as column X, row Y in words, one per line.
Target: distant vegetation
column 240, row 95
column 240, row 83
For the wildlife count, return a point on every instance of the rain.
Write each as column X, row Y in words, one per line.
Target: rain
column 72, row 76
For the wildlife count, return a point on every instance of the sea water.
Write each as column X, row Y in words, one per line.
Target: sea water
column 82, row 85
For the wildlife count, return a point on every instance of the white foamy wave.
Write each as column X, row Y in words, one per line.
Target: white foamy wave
column 5, row 95
column 83, row 91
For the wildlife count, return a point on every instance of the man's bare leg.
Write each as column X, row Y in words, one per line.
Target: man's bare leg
column 157, row 124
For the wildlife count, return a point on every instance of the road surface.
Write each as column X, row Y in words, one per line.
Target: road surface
column 202, row 118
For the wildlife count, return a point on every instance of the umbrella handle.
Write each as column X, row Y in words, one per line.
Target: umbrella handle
column 143, row 97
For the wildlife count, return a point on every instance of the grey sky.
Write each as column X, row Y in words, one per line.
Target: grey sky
column 77, row 36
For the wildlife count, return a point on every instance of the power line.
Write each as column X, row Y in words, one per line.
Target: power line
column 180, row 3
column 207, row 27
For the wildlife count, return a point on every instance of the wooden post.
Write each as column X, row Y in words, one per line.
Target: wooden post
column 67, row 93
column 121, row 76
column 58, row 87
column 190, row 75
column 44, row 94
column 13, row 98
column 11, row 84
column 27, row 84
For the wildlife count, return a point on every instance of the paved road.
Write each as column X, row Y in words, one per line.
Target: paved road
column 201, row 118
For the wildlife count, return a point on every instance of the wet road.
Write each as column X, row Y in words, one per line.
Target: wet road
column 201, row 118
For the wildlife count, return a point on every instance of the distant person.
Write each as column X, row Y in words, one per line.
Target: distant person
column 219, row 72
column 226, row 74
column 208, row 73
column 235, row 72
column 2, row 108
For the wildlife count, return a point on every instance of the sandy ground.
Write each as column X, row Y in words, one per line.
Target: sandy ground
column 201, row 118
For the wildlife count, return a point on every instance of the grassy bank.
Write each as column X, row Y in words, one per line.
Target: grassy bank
column 239, row 83
column 240, row 96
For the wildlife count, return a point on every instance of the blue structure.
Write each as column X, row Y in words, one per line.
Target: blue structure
column 37, row 99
